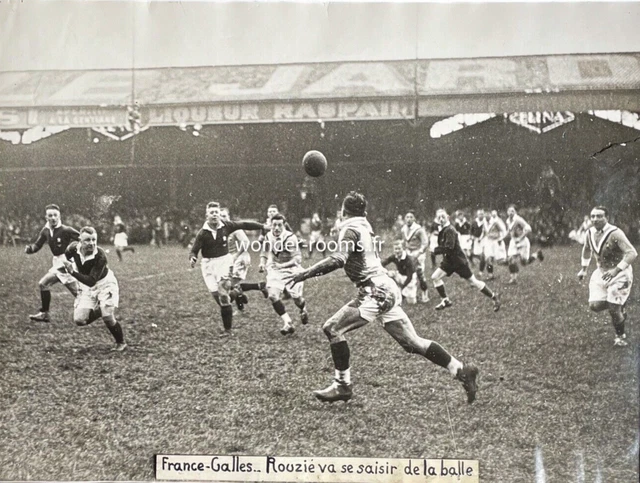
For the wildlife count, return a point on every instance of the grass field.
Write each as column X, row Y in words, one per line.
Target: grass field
column 551, row 379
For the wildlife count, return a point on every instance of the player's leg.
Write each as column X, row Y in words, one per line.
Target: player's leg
column 72, row 287
column 109, row 318
column 348, row 318
column 597, row 292
column 45, row 285
column 278, row 306
column 402, row 330
column 224, row 300
column 119, row 253
column 422, row 279
column 618, row 291
column 467, row 275
column 301, row 303
column 248, row 286
column 107, row 296
column 438, row 283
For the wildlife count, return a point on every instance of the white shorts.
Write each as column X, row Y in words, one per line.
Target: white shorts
column 241, row 266
column 410, row 292
column 494, row 249
column 465, row 242
column 422, row 257
column 616, row 291
column 278, row 278
column 105, row 293
column 380, row 300
column 120, row 240
column 56, row 263
column 478, row 246
column 522, row 248
column 433, row 242
column 215, row 270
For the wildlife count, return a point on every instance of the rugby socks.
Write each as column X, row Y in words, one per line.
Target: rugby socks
column 433, row 260
column 489, row 268
column 278, row 306
column 119, row 253
column 438, row 355
column 227, row 316
column 441, row 291
column 514, row 269
column 487, row 291
column 45, row 296
column 116, row 332
column 618, row 323
column 246, row 286
column 340, row 354
column 482, row 264
column 300, row 303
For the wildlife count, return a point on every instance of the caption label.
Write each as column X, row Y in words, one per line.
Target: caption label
column 326, row 470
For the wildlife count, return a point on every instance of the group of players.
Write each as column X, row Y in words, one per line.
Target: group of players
column 223, row 246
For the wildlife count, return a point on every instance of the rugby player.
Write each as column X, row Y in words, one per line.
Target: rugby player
column 58, row 237
column 378, row 300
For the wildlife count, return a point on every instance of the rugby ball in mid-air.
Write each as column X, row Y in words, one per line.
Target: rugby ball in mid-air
column 314, row 163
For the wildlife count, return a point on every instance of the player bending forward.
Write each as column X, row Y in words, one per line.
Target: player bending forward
column 98, row 293
column 378, row 299
column 58, row 237
column 454, row 261
column 282, row 259
column 611, row 281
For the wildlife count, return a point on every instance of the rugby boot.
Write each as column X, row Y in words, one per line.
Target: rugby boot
column 496, row 302
column 468, row 376
column 40, row 317
column 337, row 391
column 287, row 329
column 540, row 256
column 445, row 304
column 119, row 347
column 620, row 341
column 304, row 317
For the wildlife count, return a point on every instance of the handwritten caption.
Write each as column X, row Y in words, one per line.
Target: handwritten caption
column 325, row 470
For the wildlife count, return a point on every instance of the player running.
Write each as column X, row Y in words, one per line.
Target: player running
column 454, row 261
column 378, row 300
column 58, row 237
column 519, row 245
column 477, row 238
column 120, row 238
column 494, row 249
column 98, row 294
column 611, row 281
column 238, row 244
column 217, row 262
column 282, row 259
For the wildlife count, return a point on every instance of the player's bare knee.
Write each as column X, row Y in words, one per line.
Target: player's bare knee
column 44, row 286
column 330, row 329
column 109, row 320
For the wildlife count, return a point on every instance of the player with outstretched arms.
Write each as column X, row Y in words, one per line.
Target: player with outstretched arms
column 519, row 245
column 98, row 294
column 217, row 263
column 58, row 237
column 378, row 300
column 281, row 259
column 611, row 281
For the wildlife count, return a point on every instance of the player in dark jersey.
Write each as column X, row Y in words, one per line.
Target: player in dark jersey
column 58, row 237
column 477, row 239
column 98, row 294
column 120, row 238
column 217, row 262
column 406, row 275
column 378, row 299
column 454, row 261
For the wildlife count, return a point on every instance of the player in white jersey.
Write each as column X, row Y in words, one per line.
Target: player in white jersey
column 494, row 249
column 282, row 259
column 238, row 243
column 416, row 243
column 477, row 238
column 519, row 245
column 611, row 281
column 378, row 299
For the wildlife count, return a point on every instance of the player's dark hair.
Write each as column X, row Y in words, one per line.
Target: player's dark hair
column 52, row 207
column 278, row 216
column 88, row 229
column 272, row 206
column 602, row 208
column 512, row 206
column 399, row 241
column 354, row 204
column 213, row 204
column 410, row 212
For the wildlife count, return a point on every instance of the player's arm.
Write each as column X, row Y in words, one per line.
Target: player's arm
column 526, row 228
column 74, row 235
column 93, row 277
column 424, row 240
column 629, row 254
column 585, row 259
column 411, row 269
column 449, row 244
column 503, row 230
column 245, row 225
column 388, row 260
column 336, row 260
column 242, row 244
column 195, row 249
column 38, row 244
